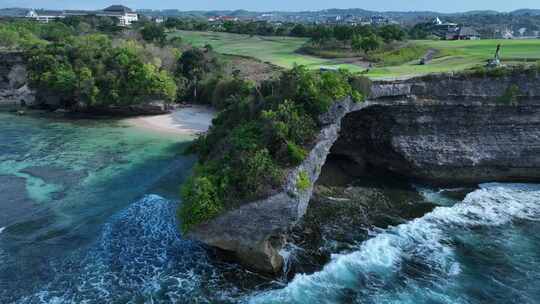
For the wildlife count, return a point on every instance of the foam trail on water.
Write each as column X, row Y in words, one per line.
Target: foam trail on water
column 138, row 258
column 2, row 229
column 379, row 271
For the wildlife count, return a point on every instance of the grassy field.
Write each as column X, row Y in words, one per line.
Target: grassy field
column 452, row 55
column 277, row 50
column 459, row 55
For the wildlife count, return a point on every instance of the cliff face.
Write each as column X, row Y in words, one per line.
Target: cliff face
column 446, row 144
column 441, row 129
column 14, row 90
column 460, row 88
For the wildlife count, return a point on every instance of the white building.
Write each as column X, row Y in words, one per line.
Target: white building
column 125, row 15
column 45, row 16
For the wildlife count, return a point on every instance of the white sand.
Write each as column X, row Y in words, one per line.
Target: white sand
column 187, row 120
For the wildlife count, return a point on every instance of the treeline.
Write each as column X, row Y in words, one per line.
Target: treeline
column 25, row 33
column 258, row 135
column 95, row 68
column 89, row 72
column 317, row 32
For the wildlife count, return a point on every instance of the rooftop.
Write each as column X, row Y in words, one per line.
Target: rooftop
column 118, row 8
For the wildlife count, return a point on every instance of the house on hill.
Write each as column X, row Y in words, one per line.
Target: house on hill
column 125, row 15
column 453, row 31
column 443, row 30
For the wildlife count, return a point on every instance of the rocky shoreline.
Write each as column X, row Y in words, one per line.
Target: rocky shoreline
column 471, row 138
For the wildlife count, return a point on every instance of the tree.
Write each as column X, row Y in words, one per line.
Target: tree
column 171, row 23
column 370, row 43
column 8, row 38
column 193, row 65
column 87, row 90
column 343, row 33
column 299, row 30
column 356, row 43
column 391, row 33
column 320, row 34
column 152, row 32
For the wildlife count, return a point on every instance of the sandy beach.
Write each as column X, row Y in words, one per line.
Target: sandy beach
column 187, row 120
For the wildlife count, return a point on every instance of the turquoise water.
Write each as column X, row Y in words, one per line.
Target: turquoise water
column 87, row 215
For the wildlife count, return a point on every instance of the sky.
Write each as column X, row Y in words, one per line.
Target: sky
column 445, row 6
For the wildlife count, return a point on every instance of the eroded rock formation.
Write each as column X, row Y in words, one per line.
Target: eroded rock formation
column 14, row 90
column 255, row 232
column 443, row 129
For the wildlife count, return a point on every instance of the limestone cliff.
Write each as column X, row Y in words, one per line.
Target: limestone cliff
column 14, row 90
column 446, row 144
column 255, row 232
column 443, row 129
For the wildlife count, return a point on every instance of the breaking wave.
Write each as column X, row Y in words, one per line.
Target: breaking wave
column 138, row 258
column 422, row 261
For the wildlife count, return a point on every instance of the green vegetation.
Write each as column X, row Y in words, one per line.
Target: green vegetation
column 455, row 56
column 401, row 55
column 395, row 63
column 280, row 51
column 255, row 140
column 303, row 182
column 152, row 32
column 82, row 63
column 87, row 71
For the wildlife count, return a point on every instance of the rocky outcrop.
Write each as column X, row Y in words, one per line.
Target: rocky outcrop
column 255, row 232
column 446, row 144
column 14, row 90
column 439, row 129
column 448, row 129
column 460, row 88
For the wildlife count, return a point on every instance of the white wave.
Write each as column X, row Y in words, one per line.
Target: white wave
column 2, row 229
column 289, row 253
column 424, row 241
column 138, row 256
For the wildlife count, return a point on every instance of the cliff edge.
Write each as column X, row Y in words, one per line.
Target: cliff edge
column 443, row 129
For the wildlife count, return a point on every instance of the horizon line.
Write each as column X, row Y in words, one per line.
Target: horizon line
column 297, row 11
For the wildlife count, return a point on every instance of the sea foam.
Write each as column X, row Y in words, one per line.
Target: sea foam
column 380, row 270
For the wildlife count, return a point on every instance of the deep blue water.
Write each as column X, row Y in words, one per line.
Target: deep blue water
column 87, row 215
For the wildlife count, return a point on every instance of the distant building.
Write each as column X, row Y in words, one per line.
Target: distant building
column 466, row 33
column 158, row 19
column 222, row 18
column 379, row 20
column 444, row 30
column 45, row 16
column 453, row 31
column 125, row 15
column 507, row 34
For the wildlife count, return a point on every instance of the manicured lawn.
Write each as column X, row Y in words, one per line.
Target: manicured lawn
column 277, row 50
column 452, row 55
column 459, row 55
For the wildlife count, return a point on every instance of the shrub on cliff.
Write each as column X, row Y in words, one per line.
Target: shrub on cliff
column 303, row 182
column 201, row 201
column 256, row 139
